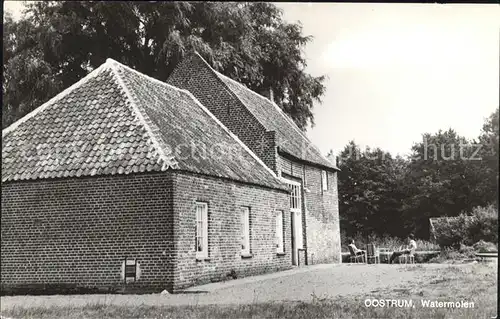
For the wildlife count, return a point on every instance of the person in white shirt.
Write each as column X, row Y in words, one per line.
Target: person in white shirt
column 355, row 249
column 412, row 246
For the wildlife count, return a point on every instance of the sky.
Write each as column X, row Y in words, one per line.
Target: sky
column 396, row 71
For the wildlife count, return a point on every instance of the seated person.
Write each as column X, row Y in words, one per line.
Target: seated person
column 355, row 249
column 412, row 246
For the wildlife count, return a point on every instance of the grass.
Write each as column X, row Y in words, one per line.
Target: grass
column 476, row 283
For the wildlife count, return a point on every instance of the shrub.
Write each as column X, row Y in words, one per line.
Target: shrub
column 484, row 225
column 484, row 247
column 468, row 250
column 452, row 255
column 450, row 232
column 453, row 232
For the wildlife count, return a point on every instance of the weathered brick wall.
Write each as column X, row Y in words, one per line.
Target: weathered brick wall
column 224, row 200
column 321, row 218
column 79, row 230
column 193, row 75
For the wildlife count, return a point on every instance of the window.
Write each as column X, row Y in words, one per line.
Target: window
column 296, row 210
column 279, row 232
column 324, row 180
column 245, row 230
column 130, row 270
column 201, row 230
column 295, row 196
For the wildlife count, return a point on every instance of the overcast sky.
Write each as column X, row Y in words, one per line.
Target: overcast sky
column 399, row 70
column 396, row 71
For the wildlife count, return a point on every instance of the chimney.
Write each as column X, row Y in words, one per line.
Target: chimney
column 271, row 95
column 334, row 159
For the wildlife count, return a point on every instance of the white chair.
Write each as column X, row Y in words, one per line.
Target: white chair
column 373, row 253
column 354, row 257
column 407, row 258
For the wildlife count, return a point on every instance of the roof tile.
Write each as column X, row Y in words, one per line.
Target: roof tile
column 290, row 139
column 118, row 121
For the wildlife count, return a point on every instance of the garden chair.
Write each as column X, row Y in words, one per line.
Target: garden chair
column 372, row 253
column 407, row 258
column 355, row 257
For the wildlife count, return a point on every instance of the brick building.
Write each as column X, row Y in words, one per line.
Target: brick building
column 279, row 143
column 125, row 181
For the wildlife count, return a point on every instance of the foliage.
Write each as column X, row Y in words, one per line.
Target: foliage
column 451, row 255
column 452, row 232
column 464, row 253
column 489, row 140
column 485, row 247
column 370, row 191
column 446, row 175
column 388, row 242
column 56, row 43
column 442, row 179
column 482, row 225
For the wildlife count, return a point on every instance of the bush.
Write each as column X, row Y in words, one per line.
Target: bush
column 484, row 225
column 467, row 250
column 452, row 232
column 467, row 229
column 452, row 255
column 485, row 247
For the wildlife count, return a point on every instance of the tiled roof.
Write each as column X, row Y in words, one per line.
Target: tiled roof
column 291, row 139
column 119, row 121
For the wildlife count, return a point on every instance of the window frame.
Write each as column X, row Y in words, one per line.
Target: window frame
column 295, row 195
column 202, row 208
column 280, row 230
column 296, row 210
column 245, row 230
column 324, row 181
column 128, row 265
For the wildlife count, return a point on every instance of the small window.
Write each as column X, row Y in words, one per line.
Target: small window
column 279, row 233
column 130, row 270
column 245, row 230
column 324, row 180
column 295, row 196
column 201, row 230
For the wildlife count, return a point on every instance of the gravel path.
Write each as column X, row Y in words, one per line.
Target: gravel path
column 293, row 285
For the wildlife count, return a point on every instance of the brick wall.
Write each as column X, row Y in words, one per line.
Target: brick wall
column 193, row 74
column 79, row 230
column 224, row 199
column 321, row 218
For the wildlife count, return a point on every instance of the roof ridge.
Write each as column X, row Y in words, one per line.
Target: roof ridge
column 259, row 95
column 287, row 118
column 290, row 121
column 204, row 109
column 57, row 97
column 141, row 117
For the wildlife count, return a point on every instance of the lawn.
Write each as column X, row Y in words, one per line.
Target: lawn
column 476, row 283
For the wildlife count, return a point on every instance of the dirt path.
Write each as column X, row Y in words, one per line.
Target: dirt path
column 295, row 285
